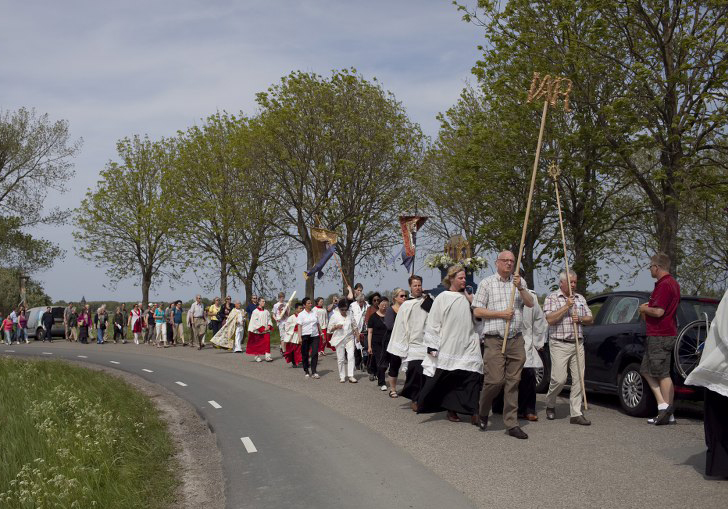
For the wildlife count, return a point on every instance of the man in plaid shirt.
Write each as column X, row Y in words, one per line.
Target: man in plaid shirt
column 502, row 371
column 563, row 309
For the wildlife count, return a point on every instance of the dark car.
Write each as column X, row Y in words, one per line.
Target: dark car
column 614, row 346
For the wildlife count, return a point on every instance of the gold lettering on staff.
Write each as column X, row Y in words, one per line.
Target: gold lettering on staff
column 551, row 89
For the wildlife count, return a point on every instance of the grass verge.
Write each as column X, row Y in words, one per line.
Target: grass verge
column 71, row 437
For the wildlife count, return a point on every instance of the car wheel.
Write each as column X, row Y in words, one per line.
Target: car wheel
column 635, row 395
column 543, row 375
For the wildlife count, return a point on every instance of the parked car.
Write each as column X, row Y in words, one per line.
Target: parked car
column 35, row 328
column 614, row 346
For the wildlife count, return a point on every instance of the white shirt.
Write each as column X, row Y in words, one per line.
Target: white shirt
column 291, row 332
column 358, row 313
column 277, row 308
column 196, row 311
column 259, row 318
column 535, row 327
column 322, row 315
column 346, row 333
column 308, row 322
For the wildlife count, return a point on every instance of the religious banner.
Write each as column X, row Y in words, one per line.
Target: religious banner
column 410, row 226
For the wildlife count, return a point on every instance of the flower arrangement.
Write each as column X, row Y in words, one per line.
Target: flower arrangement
column 444, row 261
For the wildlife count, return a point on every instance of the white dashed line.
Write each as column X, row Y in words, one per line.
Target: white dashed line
column 214, row 404
column 83, row 357
column 10, row 351
column 248, row 443
column 181, row 384
column 114, row 362
column 47, row 353
column 147, row 370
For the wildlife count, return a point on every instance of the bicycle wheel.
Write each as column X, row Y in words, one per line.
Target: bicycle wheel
column 689, row 347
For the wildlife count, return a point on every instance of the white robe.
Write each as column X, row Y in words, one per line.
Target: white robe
column 712, row 371
column 450, row 331
column 291, row 332
column 535, row 328
column 224, row 337
column 259, row 318
column 239, row 331
column 323, row 317
column 407, row 340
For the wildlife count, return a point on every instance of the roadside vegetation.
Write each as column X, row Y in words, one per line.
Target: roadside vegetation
column 74, row 438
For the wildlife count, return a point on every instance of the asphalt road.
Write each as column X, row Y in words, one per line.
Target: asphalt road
column 324, row 444
column 279, row 450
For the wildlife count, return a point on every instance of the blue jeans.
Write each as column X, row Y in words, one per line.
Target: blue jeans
column 100, row 335
column 22, row 335
column 8, row 337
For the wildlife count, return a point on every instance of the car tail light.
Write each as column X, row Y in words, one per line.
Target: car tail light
column 681, row 389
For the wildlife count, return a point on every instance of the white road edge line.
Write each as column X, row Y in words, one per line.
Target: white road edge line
column 147, row 370
column 47, row 353
column 114, row 362
column 181, row 384
column 248, row 443
column 9, row 351
column 214, row 404
column 82, row 356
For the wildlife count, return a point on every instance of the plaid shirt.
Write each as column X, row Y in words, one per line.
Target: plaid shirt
column 494, row 294
column 564, row 330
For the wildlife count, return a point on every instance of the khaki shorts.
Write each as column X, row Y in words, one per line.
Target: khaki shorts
column 658, row 356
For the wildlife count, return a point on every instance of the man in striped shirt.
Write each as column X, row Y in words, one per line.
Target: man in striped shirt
column 492, row 304
column 565, row 308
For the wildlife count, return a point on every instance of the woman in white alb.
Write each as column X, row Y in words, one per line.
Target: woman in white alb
column 344, row 335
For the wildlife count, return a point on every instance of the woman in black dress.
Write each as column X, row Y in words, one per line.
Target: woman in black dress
column 376, row 332
column 389, row 364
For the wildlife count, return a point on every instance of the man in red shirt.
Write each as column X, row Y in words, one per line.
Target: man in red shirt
column 659, row 314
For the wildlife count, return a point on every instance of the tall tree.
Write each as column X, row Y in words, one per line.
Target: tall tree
column 124, row 223
column 338, row 152
column 222, row 217
column 35, row 160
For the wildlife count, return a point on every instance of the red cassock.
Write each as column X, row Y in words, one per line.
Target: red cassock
column 293, row 351
column 324, row 341
column 258, row 342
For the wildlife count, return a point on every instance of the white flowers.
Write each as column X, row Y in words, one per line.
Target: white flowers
column 443, row 261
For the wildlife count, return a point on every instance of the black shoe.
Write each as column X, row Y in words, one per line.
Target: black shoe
column 517, row 432
column 371, row 378
column 663, row 416
column 550, row 413
column 581, row 420
column 482, row 423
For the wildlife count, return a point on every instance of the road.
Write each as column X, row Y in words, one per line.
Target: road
column 323, row 444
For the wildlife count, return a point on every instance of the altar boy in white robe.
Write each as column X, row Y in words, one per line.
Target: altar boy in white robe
column 453, row 365
column 259, row 332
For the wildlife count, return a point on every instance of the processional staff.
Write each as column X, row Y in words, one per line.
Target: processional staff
column 554, row 173
column 550, row 89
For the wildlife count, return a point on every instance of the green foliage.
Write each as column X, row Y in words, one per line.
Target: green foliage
column 79, row 438
column 343, row 151
column 10, row 292
column 35, row 160
column 125, row 224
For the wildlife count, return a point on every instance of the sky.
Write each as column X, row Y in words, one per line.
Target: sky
column 115, row 69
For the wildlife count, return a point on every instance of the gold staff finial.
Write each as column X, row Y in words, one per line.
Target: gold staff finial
column 554, row 171
column 550, row 88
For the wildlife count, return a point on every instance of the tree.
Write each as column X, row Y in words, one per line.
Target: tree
column 35, row 159
column 221, row 215
column 10, row 294
column 124, row 224
column 664, row 65
column 338, row 152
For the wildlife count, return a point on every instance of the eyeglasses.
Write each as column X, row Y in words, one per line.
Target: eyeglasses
column 402, row 295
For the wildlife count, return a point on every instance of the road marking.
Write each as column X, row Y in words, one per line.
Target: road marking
column 83, row 357
column 147, row 370
column 181, row 384
column 10, row 351
column 114, row 362
column 248, row 443
column 47, row 353
column 214, row 404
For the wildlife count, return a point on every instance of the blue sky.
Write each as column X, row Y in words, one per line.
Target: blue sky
column 113, row 69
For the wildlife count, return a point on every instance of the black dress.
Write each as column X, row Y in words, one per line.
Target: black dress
column 388, row 364
column 716, row 434
column 379, row 332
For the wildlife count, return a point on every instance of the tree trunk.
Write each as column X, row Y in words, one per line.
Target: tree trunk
column 311, row 281
column 223, row 279
column 666, row 227
column 146, row 284
column 248, row 283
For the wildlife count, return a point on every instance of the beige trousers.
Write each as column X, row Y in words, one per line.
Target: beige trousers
column 179, row 332
column 502, row 371
column 563, row 358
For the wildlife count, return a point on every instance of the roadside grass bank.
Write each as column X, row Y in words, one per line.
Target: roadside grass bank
column 76, row 438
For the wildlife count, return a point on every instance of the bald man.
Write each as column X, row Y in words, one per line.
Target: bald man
column 492, row 305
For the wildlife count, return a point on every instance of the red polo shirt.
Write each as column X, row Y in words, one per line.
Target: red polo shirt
column 666, row 295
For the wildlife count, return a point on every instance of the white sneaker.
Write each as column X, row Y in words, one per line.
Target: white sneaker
column 383, row 388
column 342, row 381
column 316, row 376
column 307, row 375
column 352, row 380
column 257, row 358
column 268, row 358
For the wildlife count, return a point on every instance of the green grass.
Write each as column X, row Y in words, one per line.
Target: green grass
column 71, row 437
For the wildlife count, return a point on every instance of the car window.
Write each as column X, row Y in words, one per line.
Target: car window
column 623, row 310
column 696, row 309
column 57, row 313
column 595, row 306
